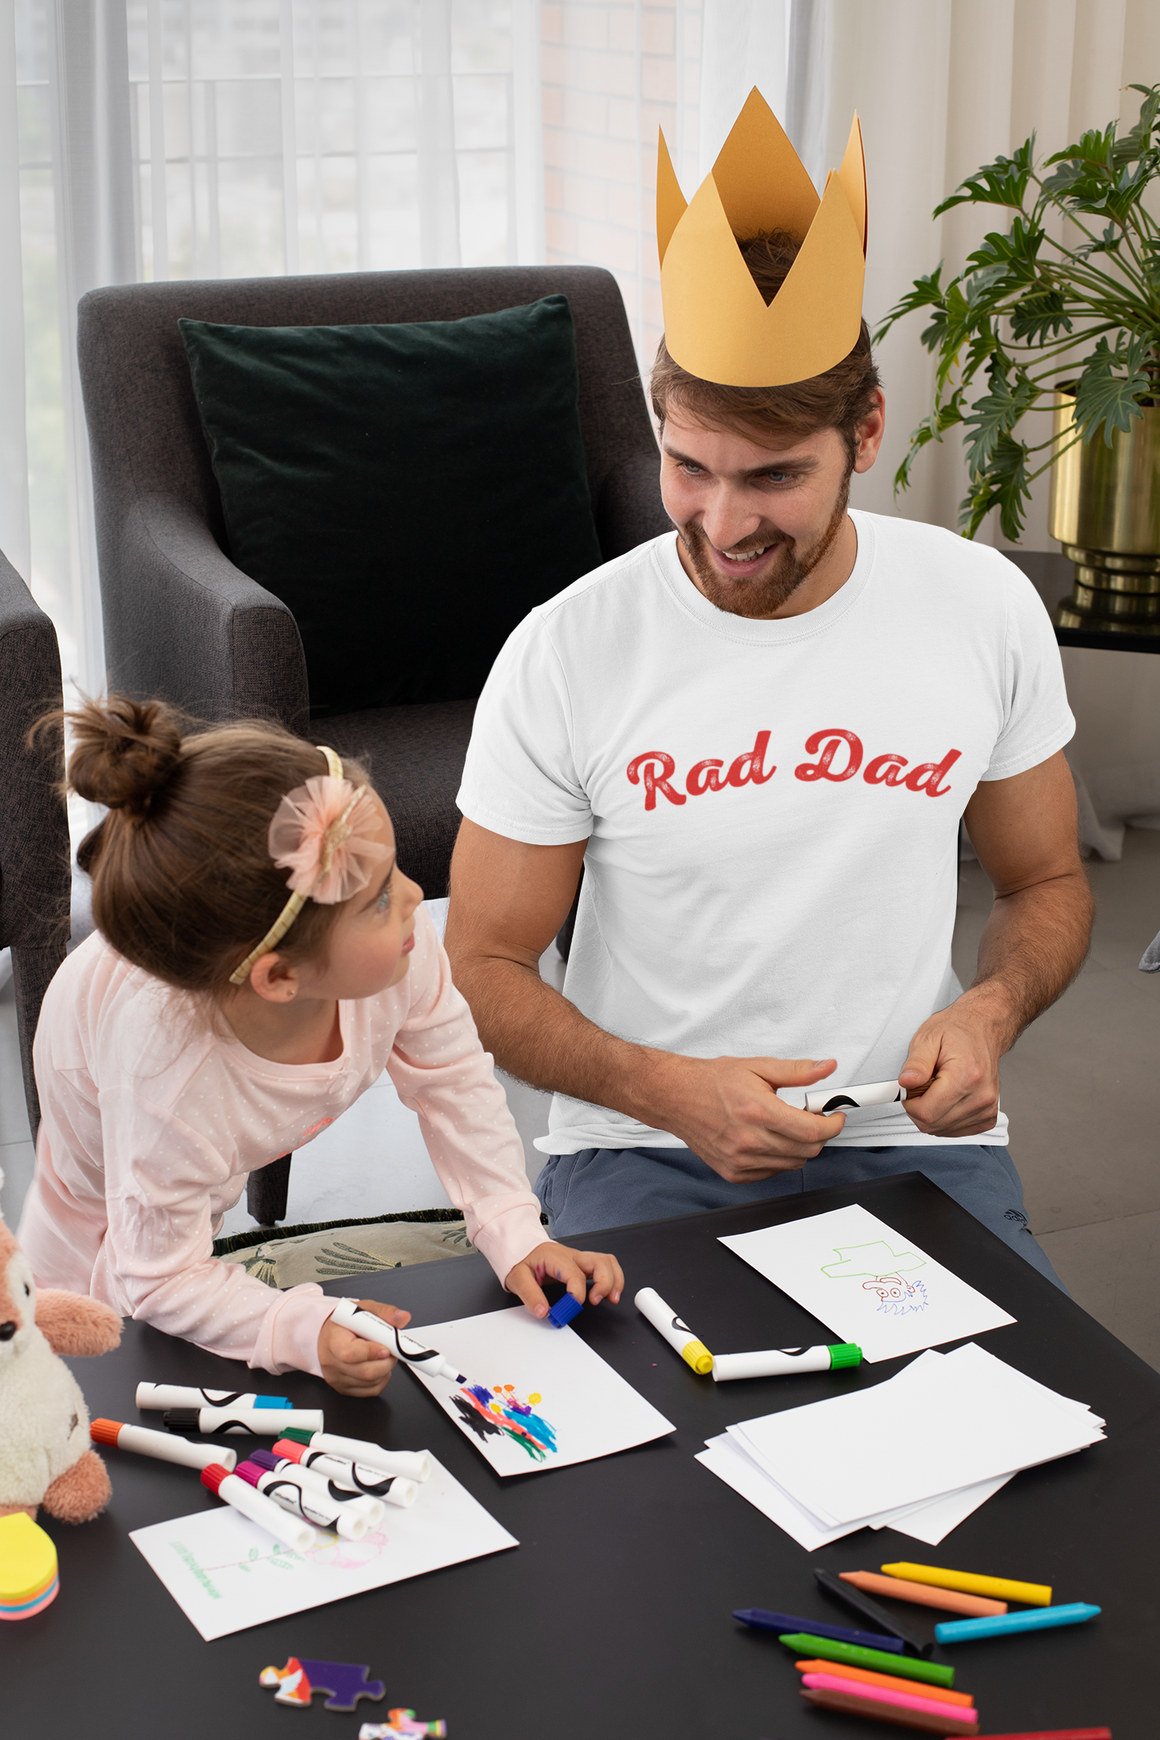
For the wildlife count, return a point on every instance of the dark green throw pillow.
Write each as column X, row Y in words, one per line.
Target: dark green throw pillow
column 410, row 491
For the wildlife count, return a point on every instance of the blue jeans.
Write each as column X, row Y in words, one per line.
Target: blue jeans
column 600, row 1187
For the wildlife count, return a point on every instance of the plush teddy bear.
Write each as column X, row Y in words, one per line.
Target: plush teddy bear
column 45, row 1454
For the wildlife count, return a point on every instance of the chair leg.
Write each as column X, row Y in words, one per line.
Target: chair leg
column 267, row 1190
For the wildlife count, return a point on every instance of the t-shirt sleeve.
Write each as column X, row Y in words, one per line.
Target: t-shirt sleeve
column 520, row 777
column 1037, row 719
column 157, row 1263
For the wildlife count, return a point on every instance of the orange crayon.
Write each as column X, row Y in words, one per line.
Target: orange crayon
column 924, row 1594
column 888, row 1682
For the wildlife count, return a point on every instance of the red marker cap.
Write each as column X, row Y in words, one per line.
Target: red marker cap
column 213, row 1476
column 105, row 1431
column 290, row 1449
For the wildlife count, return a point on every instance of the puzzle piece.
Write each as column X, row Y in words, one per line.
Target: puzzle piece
column 402, row 1726
column 871, row 1260
column 343, row 1681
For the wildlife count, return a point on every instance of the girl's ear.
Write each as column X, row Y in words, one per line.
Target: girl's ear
column 274, row 979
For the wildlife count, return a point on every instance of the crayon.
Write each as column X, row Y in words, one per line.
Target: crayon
column 291, row 1531
column 255, row 1422
column 408, row 1464
column 905, row 1700
column 779, row 1622
column 923, row 1594
column 343, row 1476
column 184, row 1396
column 1055, row 1734
column 1032, row 1619
column 945, row 1726
column 1001, row 1588
column 677, row 1333
column 411, row 1352
column 808, row 1643
column 785, row 1361
column 160, row 1445
column 859, row 1603
column 891, row 1681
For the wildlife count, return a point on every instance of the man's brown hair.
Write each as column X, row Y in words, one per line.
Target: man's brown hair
column 840, row 399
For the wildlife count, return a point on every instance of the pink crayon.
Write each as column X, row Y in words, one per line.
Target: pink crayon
column 877, row 1694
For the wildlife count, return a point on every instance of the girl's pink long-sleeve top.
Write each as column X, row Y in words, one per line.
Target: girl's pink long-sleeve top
column 151, row 1123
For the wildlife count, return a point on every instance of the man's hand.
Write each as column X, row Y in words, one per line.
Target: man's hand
column 727, row 1110
column 355, row 1367
column 552, row 1262
column 951, row 1074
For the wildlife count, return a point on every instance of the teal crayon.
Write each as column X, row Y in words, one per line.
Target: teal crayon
column 803, row 1643
column 999, row 1624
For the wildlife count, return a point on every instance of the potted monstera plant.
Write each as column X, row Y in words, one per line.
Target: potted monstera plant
column 1048, row 351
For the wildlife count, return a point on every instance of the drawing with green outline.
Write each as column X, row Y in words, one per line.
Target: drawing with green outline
column 882, row 1270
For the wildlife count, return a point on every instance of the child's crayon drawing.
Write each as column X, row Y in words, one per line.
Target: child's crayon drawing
column 499, row 1412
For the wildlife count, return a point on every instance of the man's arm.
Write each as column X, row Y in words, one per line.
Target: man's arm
column 1024, row 831
column 508, row 900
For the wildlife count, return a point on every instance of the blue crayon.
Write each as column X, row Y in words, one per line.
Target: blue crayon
column 782, row 1622
column 1034, row 1619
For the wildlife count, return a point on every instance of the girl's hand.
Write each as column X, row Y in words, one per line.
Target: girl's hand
column 355, row 1367
column 552, row 1262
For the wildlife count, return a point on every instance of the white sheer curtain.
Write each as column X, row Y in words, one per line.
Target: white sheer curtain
column 164, row 139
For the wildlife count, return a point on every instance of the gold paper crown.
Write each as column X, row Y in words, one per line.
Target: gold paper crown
column 717, row 324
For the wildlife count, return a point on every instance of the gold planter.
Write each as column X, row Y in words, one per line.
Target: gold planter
column 1105, row 511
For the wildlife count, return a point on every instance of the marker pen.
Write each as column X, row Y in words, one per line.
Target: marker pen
column 784, row 1361
column 413, row 1353
column 327, row 1492
column 999, row 1624
column 257, row 1422
column 290, row 1495
column 409, row 1464
column 866, row 1093
column 678, row 1334
column 291, row 1531
column 160, row 1445
column 183, row 1396
column 343, row 1476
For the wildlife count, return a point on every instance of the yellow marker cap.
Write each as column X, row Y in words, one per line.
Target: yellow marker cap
column 1002, row 1588
column 27, row 1559
column 698, row 1356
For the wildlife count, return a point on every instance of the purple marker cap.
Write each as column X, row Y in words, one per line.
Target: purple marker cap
column 264, row 1460
column 250, row 1471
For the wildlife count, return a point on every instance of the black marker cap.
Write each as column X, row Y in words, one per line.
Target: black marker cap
column 182, row 1419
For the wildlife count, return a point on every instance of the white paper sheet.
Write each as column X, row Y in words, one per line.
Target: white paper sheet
column 970, row 1419
column 866, row 1283
column 226, row 1573
column 550, row 1399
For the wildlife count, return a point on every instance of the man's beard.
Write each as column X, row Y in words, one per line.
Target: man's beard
column 765, row 594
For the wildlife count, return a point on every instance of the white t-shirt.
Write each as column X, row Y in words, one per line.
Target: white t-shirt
column 771, row 808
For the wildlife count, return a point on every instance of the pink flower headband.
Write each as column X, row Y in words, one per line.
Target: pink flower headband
column 314, row 836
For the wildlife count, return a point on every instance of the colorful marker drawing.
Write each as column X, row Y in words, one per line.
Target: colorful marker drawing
column 499, row 1412
column 897, row 1297
column 330, row 1551
column 873, row 1260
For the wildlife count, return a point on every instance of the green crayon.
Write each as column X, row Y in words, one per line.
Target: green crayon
column 829, row 1649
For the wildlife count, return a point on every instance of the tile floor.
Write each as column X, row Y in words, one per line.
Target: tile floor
column 1081, row 1088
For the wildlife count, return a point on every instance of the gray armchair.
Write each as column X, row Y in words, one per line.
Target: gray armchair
column 183, row 622
column 34, row 846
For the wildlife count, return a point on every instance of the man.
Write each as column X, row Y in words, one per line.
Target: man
column 757, row 736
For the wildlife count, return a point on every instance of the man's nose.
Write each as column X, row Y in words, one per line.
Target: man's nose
column 729, row 520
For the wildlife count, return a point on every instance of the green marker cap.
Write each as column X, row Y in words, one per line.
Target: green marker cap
column 299, row 1434
column 846, row 1353
column 830, row 1649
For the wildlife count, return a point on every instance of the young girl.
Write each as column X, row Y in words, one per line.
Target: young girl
column 212, row 1024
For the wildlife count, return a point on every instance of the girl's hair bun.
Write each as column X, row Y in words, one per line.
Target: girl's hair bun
column 124, row 751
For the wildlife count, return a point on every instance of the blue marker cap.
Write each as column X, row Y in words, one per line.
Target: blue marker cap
column 564, row 1310
column 271, row 1402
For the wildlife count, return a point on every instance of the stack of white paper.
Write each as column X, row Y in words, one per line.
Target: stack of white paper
column 918, row 1453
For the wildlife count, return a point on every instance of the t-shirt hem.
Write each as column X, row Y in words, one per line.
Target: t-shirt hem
column 521, row 831
column 1031, row 757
